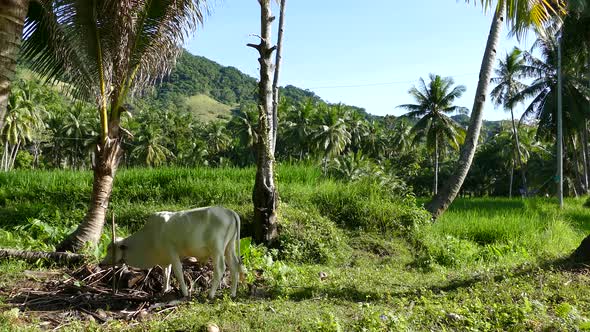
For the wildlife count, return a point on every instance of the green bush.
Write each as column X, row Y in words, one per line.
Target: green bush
column 307, row 237
column 24, row 160
column 363, row 206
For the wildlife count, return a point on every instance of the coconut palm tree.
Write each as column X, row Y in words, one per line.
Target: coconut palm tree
column 509, row 71
column 374, row 143
column 299, row 127
column 217, row 137
column 332, row 136
column 12, row 20
column 103, row 51
column 24, row 117
column 78, row 127
column 509, row 152
column 150, row 147
column 543, row 89
column 400, row 136
column 434, row 102
column 519, row 15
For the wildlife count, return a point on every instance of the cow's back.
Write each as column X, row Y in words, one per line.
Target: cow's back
column 197, row 232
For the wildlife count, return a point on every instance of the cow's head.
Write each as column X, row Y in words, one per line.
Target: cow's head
column 117, row 250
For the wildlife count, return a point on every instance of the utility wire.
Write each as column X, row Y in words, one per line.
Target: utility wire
column 382, row 83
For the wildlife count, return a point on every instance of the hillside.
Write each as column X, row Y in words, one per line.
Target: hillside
column 211, row 90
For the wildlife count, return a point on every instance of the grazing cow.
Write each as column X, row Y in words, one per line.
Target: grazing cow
column 168, row 237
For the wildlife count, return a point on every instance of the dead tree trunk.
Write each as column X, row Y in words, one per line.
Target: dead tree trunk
column 61, row 258
column 265, row 195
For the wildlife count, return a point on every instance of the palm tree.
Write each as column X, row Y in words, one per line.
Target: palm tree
column 150, row 147
column 434, row 101
column 299, row 127
column 332, row 136
column 509, row 71
column 543, row 91
column 510, row 152
column 521, row 15
column 245, row 123
column 11, row 30
column 358, row 129
column 78, row 127
column 24, row 117
column 218, row 139
column 400, row 136
column 103, row 51
column 374, row 142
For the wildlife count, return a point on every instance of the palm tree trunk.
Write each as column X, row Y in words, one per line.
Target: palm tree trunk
column 447, row 194
column 109, row 155
column 12, row 18
column 5, row 157
column 511, row 179
column 13, row 154
column 435, row 189
column 265, row 196
column 519, row 154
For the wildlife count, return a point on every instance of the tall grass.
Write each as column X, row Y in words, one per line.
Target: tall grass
column 496, row 230
column 311, row 203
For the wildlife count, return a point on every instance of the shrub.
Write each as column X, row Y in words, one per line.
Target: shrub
column 363, row 206
column 307, row 237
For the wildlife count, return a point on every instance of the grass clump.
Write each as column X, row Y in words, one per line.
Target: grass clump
column 365, row 206
column 308, row 237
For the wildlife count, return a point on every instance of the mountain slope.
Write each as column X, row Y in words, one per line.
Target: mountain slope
column 196, row 77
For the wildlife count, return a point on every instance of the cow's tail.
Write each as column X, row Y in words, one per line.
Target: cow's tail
column 242, row 268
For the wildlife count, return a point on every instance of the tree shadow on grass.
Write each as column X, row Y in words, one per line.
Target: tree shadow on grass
column 580, row 219
column 489, row 206
column 353, row 294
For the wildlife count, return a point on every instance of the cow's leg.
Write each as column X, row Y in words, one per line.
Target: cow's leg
column 177, row 267
column 219, row 268
column 234, row 266
column 167, row 271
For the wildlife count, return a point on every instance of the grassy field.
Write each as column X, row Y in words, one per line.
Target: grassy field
column 208, row 109
column 486, row 265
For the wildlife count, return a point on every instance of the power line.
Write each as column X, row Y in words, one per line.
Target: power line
column 381, row 84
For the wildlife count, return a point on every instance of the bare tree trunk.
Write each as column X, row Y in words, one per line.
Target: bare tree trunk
column 447, row 194
column 435, row 189
column 109, row 154
column 275, row 83
column 265, row 195
column 63, row 258
column 12, row 18
column 519, row 154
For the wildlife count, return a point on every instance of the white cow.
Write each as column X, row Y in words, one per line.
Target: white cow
column 168, row 237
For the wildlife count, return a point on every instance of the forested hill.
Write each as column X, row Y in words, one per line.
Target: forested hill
column 195, row 78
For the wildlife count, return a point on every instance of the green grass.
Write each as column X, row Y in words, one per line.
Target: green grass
column 480, row 230
column 208, row 109
column 486, row 265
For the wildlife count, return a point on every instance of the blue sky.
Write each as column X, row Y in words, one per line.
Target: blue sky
column 362, row 53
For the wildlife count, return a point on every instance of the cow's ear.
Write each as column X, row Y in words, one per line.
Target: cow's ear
column 123, row 247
